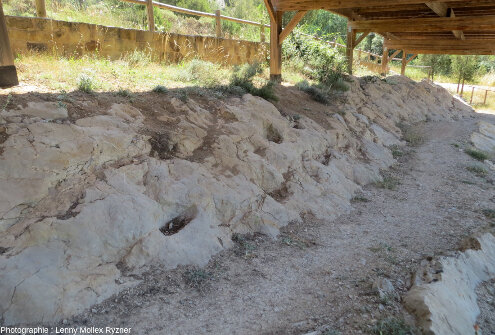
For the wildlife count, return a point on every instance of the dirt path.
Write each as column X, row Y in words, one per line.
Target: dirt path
column 321, row 273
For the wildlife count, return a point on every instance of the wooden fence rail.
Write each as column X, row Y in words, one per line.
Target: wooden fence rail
column 473, row 88
column 41, row 12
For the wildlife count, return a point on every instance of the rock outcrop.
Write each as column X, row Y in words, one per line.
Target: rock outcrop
column 82, row 199
column 443, row 296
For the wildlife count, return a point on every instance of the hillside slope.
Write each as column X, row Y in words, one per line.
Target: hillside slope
column 99, row 188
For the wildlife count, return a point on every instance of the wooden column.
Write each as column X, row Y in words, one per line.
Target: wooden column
column 262, row 33
column 351, row 35
column 276, row 47
column 404, row 63
column 218, row 23
column 8, row 73
column 40, row 8
column 151, row 16
column 385, row 62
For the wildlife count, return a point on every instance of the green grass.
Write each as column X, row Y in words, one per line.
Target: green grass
column 388, row 183
column 477, row 154
column 477, row 170
column 392, row 326
column 160, row 89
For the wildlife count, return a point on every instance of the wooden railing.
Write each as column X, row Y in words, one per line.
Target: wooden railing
column 41, row 12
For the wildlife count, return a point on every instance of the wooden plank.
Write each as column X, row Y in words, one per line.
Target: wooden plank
column 477, row 23
column 276, row 48
column 441, row 44
column 410, row 59
column 395, row 54
column 40, row 8
column 289, row 5
column 440, row 8
column 351, row 36
column 291, row 25
column 361, row 38
column 218, row 24
column 457, row 33
column 193, row 12
column 269, row 8
column 151, row 16
column 385, row 62
column 8, row 73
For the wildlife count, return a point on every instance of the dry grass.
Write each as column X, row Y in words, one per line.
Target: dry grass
column 134, row 73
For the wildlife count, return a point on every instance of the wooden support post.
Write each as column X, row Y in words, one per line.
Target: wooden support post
column 8, row 73
column 486, row 93
column 359, row 56
column 218, row 24
column 404, row 63
column 262, row 33
column 151, row 16
column 276, row 47
column 351, row 36
column 472, row 94
column 40, row 8
column 385, row 62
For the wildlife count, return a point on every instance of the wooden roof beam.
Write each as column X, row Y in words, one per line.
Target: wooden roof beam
column 290, row 5
column 291, row 25
column 441, row 9
column 480, row 23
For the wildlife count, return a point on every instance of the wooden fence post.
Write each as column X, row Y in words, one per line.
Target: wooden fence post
column 8, row 73
column 262, row 33
column 404, row 63
column 151, row 17
column 40, row 8
column 486, row 93
column 218, row 24
column 472, row 94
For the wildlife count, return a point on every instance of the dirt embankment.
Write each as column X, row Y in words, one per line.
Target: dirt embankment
column 97, row 189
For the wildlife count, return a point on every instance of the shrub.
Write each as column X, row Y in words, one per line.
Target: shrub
column 137, row 58
column 160, row 89
column 316, row 94
column 86, row 84
column 477, row 170
column 124, row 93
column 317, row 60
column 201, row 72
column 392, row 326
column 242, row 77
column 476, row 154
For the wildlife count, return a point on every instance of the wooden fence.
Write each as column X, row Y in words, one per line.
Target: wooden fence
column 41, row 12
column 473, row 88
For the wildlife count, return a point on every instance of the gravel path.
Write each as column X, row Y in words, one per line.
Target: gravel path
column 319, row 275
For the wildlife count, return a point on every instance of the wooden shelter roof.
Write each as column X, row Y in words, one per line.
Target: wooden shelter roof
column 436, row 27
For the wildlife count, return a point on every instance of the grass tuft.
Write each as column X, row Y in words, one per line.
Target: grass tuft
column 392, row 326
column 388, row 183
column 160, row 89
column 86, row 84
column 197, row 278
column 477, row 154
column 477, row 170
column 316, row 93
column 124, row 93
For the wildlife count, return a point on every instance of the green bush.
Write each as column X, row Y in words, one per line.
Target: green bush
column 317, row 60
column 200, row 72
column 86, row 84
column 160, row 89
column 316, row 93
column 476, row 154
column 242, row 77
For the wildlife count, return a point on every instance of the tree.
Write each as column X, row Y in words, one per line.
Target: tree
column 438, row 63
column 464, row 68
